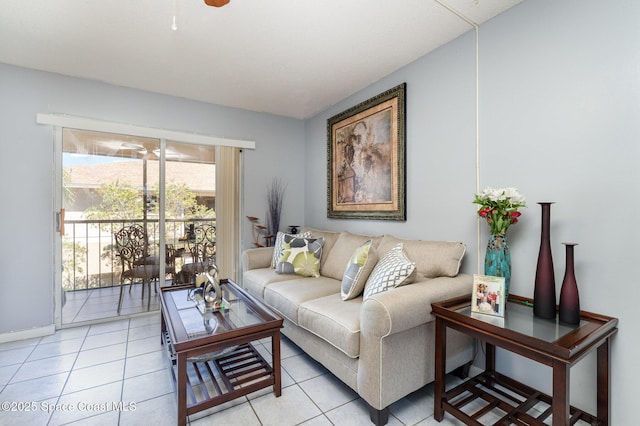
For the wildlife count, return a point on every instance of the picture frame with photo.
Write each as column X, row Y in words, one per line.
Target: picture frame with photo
column 488, row 295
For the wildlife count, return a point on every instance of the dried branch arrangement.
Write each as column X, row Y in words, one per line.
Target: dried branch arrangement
column 275, row 197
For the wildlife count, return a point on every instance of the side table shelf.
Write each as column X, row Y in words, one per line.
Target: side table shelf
column 516, row 400
column 221, row 379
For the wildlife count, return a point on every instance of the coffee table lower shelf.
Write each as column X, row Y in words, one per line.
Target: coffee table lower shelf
column 521, row 404
column 214, row 381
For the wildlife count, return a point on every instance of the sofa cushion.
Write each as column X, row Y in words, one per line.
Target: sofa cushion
column 342, row 250
column 393, row 270
column 277, row 245
column 335, row 321
column 330, row 239
column 300, row 256
column 255, row 280
column 433, row 258
column 286, row 296
column 360, row 265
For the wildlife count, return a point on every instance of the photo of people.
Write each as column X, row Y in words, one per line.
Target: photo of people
column 488, row 295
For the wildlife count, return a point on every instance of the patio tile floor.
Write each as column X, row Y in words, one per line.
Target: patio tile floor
column 102, row 304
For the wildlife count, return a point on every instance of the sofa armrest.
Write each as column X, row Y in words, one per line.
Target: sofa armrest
column 408, row 306
column 397, row 334
column 257, row 258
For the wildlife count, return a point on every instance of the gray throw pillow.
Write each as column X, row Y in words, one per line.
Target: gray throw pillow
column 360, row 265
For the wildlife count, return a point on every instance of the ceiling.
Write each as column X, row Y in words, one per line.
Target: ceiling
column 286, row 57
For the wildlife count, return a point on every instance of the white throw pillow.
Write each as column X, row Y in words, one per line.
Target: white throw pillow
column 393, row 270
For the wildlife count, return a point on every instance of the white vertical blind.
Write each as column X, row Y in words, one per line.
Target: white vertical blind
column 228, row 211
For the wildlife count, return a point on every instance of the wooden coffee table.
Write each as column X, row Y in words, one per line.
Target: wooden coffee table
column 211, row 354
column 549, row 342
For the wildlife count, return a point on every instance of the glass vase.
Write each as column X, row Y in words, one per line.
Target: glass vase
column 569, row 305
column 544, row 292
column 497, row 260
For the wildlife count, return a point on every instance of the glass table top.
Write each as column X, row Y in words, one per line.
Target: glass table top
column 199, row 322
column 519, row 318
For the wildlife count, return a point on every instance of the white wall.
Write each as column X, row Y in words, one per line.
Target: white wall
column 439, row 125
column 559, row 118
column 26, row 169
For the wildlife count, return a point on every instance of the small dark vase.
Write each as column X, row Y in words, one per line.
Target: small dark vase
column 569, row 306
column 497, row 260
column 544, row 292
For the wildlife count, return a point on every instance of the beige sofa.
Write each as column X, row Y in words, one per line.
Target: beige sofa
column 383, row 346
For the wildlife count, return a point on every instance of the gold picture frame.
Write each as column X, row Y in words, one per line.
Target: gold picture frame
column 366, row 159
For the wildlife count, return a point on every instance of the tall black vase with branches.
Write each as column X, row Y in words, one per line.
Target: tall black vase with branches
column 275, row 196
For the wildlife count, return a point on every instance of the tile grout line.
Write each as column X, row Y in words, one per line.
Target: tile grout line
column 21, row 365
column 84, row 303
column 81, row 349
column 124, row 367
column 68, row 373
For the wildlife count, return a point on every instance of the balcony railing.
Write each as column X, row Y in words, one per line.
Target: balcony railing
column 89, row 257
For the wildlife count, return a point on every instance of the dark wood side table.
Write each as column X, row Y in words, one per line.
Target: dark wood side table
column 549, row 342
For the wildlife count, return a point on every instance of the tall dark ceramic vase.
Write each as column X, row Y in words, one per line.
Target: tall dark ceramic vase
column 497, row 260
column 544, row 292
column 569, row 305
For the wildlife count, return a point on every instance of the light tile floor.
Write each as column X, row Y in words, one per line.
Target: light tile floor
column 116, row 373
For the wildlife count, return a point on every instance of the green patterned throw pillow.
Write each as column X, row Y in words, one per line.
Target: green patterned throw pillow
column 300, row 256
column 393, row 270
column 360, row 265
column 277, row 245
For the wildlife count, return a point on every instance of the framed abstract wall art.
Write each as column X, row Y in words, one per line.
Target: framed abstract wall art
column 366, row 159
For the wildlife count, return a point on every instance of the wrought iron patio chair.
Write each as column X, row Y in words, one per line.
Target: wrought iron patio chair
column 202, row 247
column 169, row 258
column 132, row 249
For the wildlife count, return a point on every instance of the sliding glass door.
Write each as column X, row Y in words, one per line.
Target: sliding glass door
column 116, row 188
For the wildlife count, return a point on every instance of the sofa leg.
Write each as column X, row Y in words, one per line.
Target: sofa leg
column 379, row 417
column 463, row 371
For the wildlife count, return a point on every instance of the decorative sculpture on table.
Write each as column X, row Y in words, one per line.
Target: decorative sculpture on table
column 214, row 304
column 211, row 293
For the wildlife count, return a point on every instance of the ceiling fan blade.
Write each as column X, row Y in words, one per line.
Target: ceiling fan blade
column 216, row 3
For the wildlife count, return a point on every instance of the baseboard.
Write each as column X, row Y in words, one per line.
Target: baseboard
column 27, row 334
